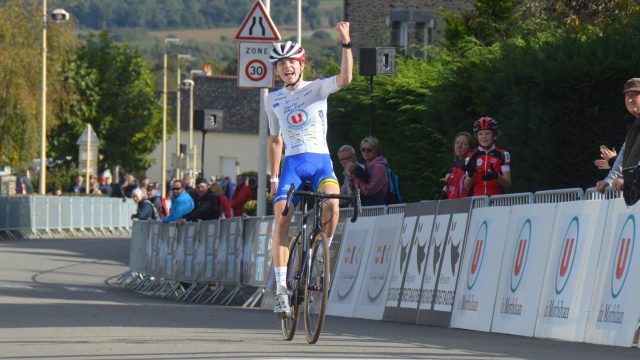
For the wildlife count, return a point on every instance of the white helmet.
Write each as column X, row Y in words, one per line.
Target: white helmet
column 286, row 50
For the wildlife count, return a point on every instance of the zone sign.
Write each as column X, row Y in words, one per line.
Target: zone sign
column 254, row 68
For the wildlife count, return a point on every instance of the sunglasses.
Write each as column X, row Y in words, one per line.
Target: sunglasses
column 366, row 150
column 176, row 189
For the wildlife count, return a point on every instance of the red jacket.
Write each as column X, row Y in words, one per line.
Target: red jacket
column 241, row 195
column 481, row 162
column 225, row 207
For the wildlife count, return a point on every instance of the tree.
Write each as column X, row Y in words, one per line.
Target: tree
column 127, row 117
column 20, row 64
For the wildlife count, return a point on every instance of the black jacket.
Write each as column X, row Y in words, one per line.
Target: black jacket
column 206, row 207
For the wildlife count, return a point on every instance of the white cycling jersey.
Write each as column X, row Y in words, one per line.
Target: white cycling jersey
column 300, row 116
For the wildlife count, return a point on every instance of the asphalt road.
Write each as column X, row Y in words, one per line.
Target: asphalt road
column 59, row 299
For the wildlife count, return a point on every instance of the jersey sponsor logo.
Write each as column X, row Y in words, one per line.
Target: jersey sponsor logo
column 521, row 254
column 321, row 114
column 276, row 105
column 567, row 255
column 479, row 162
column 622, row 256
column 297, row 119
column 507, row 156
column 493, row 161
column 478, row 255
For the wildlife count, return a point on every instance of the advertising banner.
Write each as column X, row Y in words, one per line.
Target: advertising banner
column 209, row 241
column 230, row 250
column 443, row 263
column 373, row 293
column 480, row 271
column 183, row 260
column 351, row 265
column 155, row 232
column 615, row 307
column 571, row 270
column 523, row 268
column 406, row 277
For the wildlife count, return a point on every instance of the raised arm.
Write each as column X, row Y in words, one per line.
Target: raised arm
column 346, row 66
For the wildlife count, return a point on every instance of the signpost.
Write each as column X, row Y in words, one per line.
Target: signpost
column 255, row 71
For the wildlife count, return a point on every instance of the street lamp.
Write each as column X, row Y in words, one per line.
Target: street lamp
column 191, row 161
column 58, row 15
column 189, row 58
column 167, row 42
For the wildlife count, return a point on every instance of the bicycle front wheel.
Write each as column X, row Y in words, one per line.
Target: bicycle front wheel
column 294, row 266
column 317, row 292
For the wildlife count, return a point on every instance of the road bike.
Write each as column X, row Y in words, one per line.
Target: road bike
column 308, row 267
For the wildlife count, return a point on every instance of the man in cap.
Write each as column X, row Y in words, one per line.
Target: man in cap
column 629, row 155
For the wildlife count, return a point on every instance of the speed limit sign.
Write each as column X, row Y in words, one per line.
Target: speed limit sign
column 254, row 68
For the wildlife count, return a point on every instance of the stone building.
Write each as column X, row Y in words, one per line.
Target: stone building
column 231, row 147
column 398, row 23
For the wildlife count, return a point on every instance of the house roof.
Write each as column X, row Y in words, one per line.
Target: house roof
column 241, row 107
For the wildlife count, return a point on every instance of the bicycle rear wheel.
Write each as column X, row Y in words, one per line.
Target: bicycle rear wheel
column 317, row 292
column 294, row 266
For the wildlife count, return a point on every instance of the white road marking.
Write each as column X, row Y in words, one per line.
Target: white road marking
column 83, row 289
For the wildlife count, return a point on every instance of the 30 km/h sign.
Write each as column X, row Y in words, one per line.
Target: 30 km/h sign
column 254, row 68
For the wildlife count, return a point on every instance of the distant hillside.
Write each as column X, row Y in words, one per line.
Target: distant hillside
column 193, row 14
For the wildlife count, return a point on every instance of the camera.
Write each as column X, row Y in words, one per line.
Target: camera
column 59, row 15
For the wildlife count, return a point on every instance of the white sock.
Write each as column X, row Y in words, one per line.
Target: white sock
column 281, row 279
column 329, row 240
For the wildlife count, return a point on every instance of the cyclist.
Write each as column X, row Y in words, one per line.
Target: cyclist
column 297, row 113
column 488, row 166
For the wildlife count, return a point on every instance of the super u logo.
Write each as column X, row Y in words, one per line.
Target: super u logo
column 297, row 119
column 622, row 256
column 521, row 254
column 567, row 254
column 477, row 255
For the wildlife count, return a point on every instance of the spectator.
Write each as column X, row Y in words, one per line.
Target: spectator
column 488, row 167
column 241, row 195
column 94, row 186
column 181, row 203
column 77, row 187
column 23, row 184
column 153, row 196
column 206, row 203
column 228, row 187
column 132, row 184
column 146, row 210
column 105, row 183
column 372, row 180
column 629, row 154
column 225, row 206
column 454, row 187
column 349, row 162
column 608, row 157
column 117, row 190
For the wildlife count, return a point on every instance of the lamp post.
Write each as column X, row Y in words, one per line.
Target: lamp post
column 59, row 15
column 189, row 58
column 191, row 161
column 167, row 43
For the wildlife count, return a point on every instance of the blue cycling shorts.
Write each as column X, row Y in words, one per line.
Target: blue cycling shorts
column 299, row 168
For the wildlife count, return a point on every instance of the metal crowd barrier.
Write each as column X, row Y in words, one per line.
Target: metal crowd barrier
column 479, row 201
column 609, row 193
column 511, row 199
column 64, row 216
column 557, row 196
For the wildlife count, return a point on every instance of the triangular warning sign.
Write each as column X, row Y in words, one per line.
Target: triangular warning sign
column 258, row 25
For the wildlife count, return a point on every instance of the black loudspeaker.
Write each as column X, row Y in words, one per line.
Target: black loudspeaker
column 378, row 61
column 207, row 120
column 368, row 61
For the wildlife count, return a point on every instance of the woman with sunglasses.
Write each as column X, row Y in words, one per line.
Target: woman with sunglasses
column 372, row 181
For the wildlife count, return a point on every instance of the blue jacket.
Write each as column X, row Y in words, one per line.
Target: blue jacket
column 180, row 206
